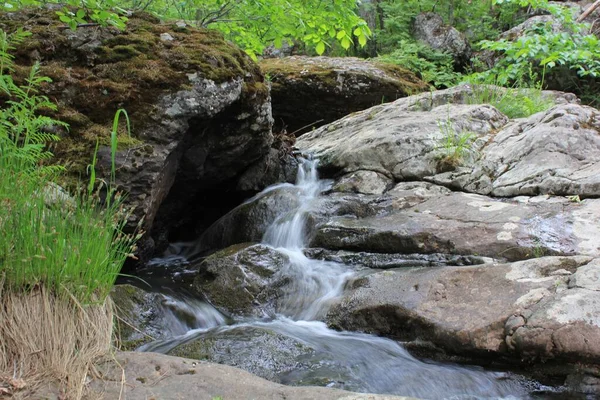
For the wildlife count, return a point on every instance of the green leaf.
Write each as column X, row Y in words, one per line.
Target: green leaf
column 320, row 49
column 340, row 35
column 362, row 40
column 345, row 42
column 80, row 13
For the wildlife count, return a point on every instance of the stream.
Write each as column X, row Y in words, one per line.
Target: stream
column 348, row 360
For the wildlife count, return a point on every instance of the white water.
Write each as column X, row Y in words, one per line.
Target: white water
column 368, row 363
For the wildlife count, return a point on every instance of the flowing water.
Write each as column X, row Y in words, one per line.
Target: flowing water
column 349, row 360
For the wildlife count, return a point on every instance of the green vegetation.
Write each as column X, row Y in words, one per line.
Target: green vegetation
column 454, row 146
column 252, row 24
column 512, row 102
column 59, row 254
column 64, row 243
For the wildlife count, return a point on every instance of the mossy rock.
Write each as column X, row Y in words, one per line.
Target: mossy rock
column 177, row 85
column 242, row 279
column 309, row 92
column 95, row 71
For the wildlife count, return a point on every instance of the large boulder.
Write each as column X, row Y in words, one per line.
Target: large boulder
column 309, row 92
column 429, row 27
column 418, row 217
column 199, row 107
column 553, row 152
column 540, row 310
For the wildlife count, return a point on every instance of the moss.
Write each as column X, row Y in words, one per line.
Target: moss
column 130, row 70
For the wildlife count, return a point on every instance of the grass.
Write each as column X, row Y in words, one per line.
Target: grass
column 59, row 254
column 454, row 146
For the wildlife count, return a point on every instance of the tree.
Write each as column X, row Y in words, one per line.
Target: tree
column 255, row 24
column 252, row 24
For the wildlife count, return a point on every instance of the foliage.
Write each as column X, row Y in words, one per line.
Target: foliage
column 455, row 146
column 72, row 245
column 514, row 102
column 478, row 19
column 252, row 24
column 434, row 67
column 549, row 51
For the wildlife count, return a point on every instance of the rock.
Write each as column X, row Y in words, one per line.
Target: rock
column 554, row 152
column 391, row 260
column 242, row 280
column 366, row 182
column 423, row 218
column 430, row 28
column 140, row 376
column 517, row 31
column 199, row 108
column 401, row 140
column 145, row 316
column 308, row 92
column 518, row 311
column 249, row 221
column 275, row 167
column 260, row 351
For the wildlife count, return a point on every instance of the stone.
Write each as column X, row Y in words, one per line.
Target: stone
column 430, row 28
column 200, row 111
column 418, row 217
column 516, row 311
column 553, row 152
column 366, row 182
column 308, row 92
column 249, row 221
column 140, row 376
column 242, row 280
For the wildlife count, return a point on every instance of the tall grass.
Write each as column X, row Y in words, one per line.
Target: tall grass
column 68, row 244
column 59, row 254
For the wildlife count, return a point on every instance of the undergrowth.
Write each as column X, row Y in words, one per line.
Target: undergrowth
column 59, row 254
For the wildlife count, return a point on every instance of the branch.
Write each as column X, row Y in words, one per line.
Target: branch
column 589, row 10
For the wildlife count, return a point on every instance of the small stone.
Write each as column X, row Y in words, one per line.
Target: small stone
column 165, row 37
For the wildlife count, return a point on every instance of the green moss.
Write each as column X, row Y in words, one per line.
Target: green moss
column 130, row 70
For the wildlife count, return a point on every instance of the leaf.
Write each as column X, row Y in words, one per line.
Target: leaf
column 340, row 35
column 80, row 13
column 320, row 48
column 358, row 32
column 345, row 42
column 362, row 40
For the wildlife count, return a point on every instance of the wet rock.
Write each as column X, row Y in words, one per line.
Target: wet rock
column 511, row 311
column 242, row 280
column 144, row 316
column 418, row 217
column 308, row 92
column 389, row 261
column 430, row 28
column 275, row 167
column 249, row 221
column 199, row 108
column 148, row 375
column 260, row 351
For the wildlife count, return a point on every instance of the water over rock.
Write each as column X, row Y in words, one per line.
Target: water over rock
column 242, row 280
column 141, row 376
column 539, row 310
column 309, row 92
